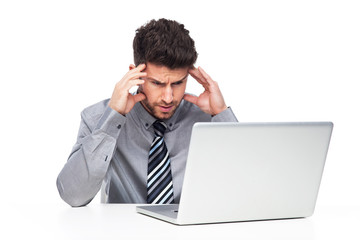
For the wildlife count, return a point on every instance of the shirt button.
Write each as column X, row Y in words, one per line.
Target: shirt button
column 119, row 126
column 170, row 124
column 146, row 124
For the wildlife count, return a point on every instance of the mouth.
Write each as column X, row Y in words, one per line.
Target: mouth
column 166, row 108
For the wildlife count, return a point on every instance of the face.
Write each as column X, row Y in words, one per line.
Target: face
column 164, row 89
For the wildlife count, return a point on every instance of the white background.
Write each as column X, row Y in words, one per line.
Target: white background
column 274, row 61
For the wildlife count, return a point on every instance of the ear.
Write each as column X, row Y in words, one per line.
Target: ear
column 131, row 66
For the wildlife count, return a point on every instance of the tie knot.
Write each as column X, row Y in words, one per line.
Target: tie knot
column 159, row 127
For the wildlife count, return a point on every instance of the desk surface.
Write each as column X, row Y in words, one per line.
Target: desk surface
column 120, row 221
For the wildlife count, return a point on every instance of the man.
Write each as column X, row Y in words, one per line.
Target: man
column 134, row 146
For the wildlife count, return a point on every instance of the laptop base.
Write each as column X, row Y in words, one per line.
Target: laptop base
column 166, row 212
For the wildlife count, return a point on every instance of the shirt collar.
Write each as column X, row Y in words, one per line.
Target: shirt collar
column 147, row 120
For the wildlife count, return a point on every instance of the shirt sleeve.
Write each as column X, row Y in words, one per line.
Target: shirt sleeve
column 225, row 116
column 82, row 175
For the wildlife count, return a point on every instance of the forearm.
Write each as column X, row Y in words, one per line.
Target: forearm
column 82, row 176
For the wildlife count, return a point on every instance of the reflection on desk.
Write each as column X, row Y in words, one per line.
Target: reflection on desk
column 120, row 221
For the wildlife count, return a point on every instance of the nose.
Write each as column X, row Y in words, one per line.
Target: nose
column 167, row 95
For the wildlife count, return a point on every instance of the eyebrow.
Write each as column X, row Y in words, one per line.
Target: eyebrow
column 153, row 79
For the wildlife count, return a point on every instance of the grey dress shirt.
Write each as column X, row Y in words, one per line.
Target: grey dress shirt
column 112, row 150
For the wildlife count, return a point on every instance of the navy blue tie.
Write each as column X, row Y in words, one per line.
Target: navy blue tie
column 159, row 183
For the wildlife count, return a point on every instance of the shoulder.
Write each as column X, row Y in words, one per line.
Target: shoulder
column 97, row 107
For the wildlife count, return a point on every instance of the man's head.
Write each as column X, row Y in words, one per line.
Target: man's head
column 166, row 43
column 168, row 52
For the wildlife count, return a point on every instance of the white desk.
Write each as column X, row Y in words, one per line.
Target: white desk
column 117, row 221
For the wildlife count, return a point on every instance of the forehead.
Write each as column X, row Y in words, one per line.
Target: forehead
column 162, row 73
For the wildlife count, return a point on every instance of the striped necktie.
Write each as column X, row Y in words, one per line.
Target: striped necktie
column 159, row 182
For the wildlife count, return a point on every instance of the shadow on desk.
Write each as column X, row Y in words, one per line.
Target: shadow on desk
column 116, row 221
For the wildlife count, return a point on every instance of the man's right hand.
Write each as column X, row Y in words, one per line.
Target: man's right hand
column 121, row 100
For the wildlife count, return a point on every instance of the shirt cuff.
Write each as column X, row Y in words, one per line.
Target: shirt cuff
column 111, row 122
column 225, row 116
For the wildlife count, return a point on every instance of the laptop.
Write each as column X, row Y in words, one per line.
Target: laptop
column 249, row 171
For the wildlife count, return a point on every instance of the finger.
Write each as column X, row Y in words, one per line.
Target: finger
column 139, row 97
column 136, row 82
column 139, row 68
column 198, row 77
column 190, row 98
column 206, row 76
column 136, row 75
column 212, row 85
column 196, row 74
column 127, row 86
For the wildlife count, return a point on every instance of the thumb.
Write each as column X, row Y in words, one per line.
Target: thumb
column 190, row 98
column 139, row 97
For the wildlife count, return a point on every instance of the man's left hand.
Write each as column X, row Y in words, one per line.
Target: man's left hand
column 211, row 100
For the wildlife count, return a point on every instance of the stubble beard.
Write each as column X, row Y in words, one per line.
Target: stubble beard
column 158, row 114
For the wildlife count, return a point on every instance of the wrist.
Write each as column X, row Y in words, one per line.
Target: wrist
column 115, row 108
column 219, row 111
column 111, row 122
column 225, row 116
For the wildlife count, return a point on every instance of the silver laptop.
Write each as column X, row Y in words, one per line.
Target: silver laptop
column 249, row 171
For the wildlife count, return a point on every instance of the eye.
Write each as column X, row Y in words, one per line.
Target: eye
column 156, row 83
column 178, row 83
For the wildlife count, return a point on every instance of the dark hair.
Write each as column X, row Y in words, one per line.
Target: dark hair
column 164, row 42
